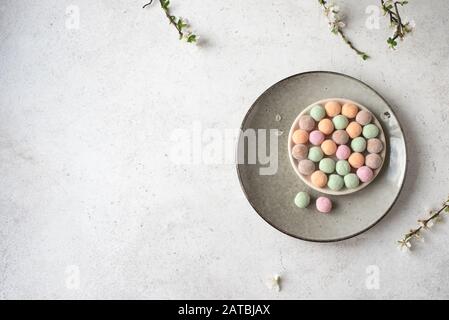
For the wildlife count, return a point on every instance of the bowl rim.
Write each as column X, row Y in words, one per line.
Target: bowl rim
column 289, row 233
column 327, row 190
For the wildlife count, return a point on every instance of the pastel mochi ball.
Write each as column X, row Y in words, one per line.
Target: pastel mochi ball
column 327, row 165
column 340, row 137
column 370, row 131
column 323, row 204
column 349, row 110
column 316, row 137
column 319, row 179
column 351, row 181
column 343, row 167
column 333, row 108
column 356, row 160
column 354, row 129
column 306, row 167
column 302, row 200
column 306, row 122
column 335, row 182
column 374, row 145
column 343, row 152
column 373, row 161
column 364, row 117
column 315, row 154
column 326, row 126
column 340, row 122
column 329, row 147
column 317, row 112
column 300, row 151
column 365, row 174
column 358, row 144
column 300, row 136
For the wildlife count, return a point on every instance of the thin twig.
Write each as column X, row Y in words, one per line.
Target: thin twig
column 148, row 4
column 345, row 39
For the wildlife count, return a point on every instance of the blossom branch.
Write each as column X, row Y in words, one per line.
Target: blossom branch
column 336, row 25
column 181, row 25
column 391, row 8
column 405, row 242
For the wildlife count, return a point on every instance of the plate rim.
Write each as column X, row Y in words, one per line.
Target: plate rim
column 289, row 233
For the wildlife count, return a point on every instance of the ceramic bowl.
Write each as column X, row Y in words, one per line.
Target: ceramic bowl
column 306, row 179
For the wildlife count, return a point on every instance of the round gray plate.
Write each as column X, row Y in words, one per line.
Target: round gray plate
column 272, row 195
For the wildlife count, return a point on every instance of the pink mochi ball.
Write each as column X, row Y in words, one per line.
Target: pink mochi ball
column 316, row 137
column 343, row 152
column 324, row 204
column 365, row 174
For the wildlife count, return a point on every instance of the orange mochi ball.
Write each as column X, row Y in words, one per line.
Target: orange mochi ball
column 326, row 126
column 333, row 108
column 329, row 147
column 319, row 179
column 349, row 110
column 354, row 129
column 300, row 136
column 356, row 160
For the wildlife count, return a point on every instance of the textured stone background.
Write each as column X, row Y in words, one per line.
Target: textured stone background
column 88, row 190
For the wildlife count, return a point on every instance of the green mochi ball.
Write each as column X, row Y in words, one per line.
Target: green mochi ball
column 351, row 181
column 315, row 154
column 327, row 165
column 358, row 144
column 340, row 122
column 343, row 167
column 302, row 200
column 317, row 112
column 335, row 182
column 370, row 131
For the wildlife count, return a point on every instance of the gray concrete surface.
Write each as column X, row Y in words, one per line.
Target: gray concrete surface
column 92, row 204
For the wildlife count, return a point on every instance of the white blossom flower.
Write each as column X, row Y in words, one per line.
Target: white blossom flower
column 334, row 8
column 425, row 224
column 334, row 20
column 274, row 283
column 411, row 24
column 341, row 24
column 332, row 17
column 404, row 245
column 419, row 237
